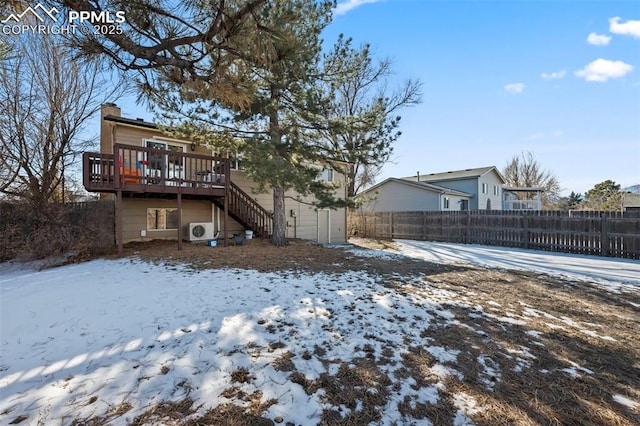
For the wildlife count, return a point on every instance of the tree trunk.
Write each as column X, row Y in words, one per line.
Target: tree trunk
column 279, row 236
column 351, row 187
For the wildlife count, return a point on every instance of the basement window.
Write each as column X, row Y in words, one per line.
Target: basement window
column 162, row 219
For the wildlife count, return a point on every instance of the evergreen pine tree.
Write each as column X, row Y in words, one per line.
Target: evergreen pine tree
column 603, row 196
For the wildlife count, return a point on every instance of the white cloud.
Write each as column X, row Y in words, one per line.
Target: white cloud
column 554, row 75
column 514, row 88
column 346, row 6
column 631, row 28
column 602, row 70
column 598, row 39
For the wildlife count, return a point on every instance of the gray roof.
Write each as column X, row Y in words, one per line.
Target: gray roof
column 523, row 188
column 456, row 175
column 630, row 199
column 134, row 122
column 421, row 185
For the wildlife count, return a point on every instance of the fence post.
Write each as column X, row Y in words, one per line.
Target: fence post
column 424, row 225
column 364, row 225
column 604, row 235
column 525, row 227
column 391, row 224
column 468, row 236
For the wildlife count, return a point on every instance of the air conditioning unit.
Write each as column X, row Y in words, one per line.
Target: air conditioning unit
column 200, row 231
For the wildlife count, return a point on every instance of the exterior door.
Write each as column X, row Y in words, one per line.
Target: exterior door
column 162, row 166
column 324, row 226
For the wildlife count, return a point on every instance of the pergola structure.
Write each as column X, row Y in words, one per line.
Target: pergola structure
column 522, row 198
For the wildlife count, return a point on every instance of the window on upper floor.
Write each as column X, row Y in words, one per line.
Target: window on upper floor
column 496, row 190
column 446, row 202
column 485, row 188
column 235, row 159
column 326, row 175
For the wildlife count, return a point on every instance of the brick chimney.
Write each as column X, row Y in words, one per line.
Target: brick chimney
column 107, row 128
column 110, row 109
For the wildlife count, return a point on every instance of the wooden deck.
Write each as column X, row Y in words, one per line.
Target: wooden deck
column 133, row 169
column 137, row 171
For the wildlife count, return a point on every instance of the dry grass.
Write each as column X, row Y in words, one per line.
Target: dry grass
column 260, row 255
column 567, row 325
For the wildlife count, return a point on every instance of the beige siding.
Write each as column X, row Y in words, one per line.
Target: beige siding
column 304, row 225
column 135, row 217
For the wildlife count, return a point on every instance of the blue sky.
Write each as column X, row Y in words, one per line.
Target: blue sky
column 559, row 79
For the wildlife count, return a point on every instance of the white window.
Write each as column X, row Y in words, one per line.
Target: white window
column 485, row 188
column 326, row 175
column 495, row 189
column 162, row 219
column 235, row 159
column 446, row 202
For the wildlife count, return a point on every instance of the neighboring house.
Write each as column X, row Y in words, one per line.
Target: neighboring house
column 483, row 183
column 630, row 202
column 164, row 186
column 481, row 188
column 401, row 195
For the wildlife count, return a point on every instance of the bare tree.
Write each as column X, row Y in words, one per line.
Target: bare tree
column 526, row 171
column 363, row 120
column 46, row 98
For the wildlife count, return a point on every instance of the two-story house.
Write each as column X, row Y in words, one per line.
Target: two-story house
column 469, row 189
column 168, row 188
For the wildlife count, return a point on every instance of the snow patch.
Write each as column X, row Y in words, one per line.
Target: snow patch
column 626, row 402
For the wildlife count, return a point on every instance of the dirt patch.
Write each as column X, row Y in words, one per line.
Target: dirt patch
column 262, row 256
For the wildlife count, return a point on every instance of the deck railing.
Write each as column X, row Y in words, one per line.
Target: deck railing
column 521, row 205
column 142, row 169
column 247, row 210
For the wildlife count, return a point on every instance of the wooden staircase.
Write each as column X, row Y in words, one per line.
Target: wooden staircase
column 246, row 211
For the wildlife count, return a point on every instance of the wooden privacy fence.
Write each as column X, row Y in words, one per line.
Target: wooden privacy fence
column 610, row 234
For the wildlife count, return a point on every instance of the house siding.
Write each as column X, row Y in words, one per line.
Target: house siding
column 491, row 179
column 395, row 197
column 134, row 217
column 474, row 186
column 304, row 225
column 455, row 202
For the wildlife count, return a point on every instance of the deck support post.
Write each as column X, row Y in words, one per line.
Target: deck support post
column 179, row 221
column 119, row 221
column 227, row 184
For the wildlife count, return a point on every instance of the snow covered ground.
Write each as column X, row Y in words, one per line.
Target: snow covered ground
column 78, row 341
column 611, row 271
column 88, row 339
